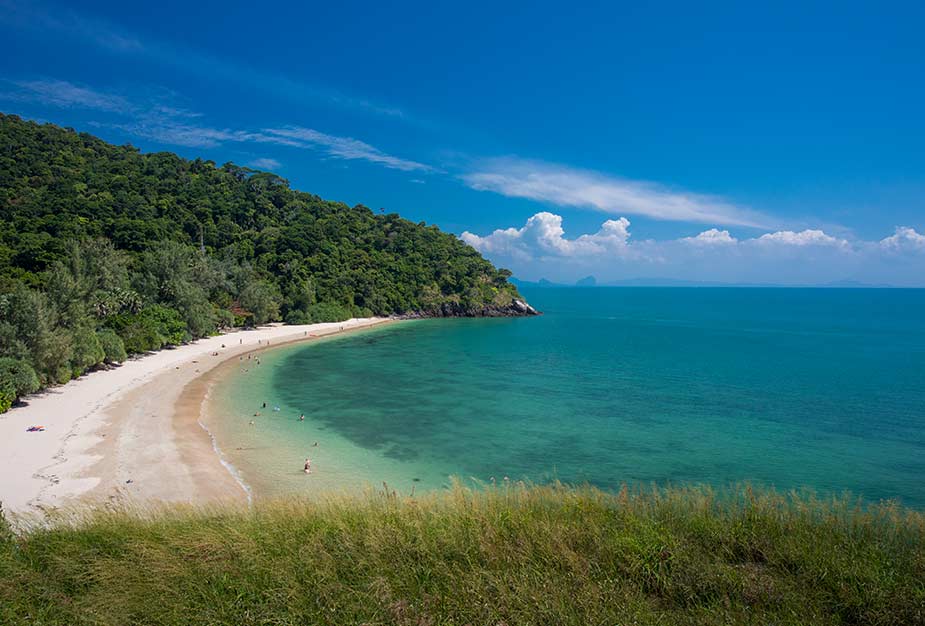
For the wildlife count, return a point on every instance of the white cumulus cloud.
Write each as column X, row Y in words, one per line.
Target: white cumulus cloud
column 542, row 236
column 711, row 237
column 802, row 238
column 905, row 238
column 541, row 249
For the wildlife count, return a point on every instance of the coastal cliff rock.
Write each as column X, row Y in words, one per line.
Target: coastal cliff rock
column 517, row 308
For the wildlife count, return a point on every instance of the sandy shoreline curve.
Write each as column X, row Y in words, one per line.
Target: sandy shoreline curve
column 132, row 432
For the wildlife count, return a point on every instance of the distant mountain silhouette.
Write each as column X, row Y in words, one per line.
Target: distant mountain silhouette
column 591, row 281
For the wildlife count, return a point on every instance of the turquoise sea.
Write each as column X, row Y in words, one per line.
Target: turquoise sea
column 822, row 388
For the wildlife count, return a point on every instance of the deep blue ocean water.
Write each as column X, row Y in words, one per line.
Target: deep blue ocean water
column 819, row 388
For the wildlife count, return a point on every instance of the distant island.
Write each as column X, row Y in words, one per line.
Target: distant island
column 106, row 251
column 591, row 281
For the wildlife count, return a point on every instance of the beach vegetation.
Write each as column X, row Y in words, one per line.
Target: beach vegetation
column 98, row 239
column 17, row 378
column 330, row 312
column 152, row 328
column 510, row 554
column 113, row 346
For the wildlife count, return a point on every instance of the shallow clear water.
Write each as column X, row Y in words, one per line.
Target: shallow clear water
column 786, row 387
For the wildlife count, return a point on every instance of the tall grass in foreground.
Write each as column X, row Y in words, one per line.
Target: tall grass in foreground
column 503, row 555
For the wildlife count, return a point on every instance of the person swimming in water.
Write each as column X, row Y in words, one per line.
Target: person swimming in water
column 302, row 417
column 308, row 466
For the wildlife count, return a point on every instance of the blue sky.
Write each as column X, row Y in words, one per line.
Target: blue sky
column 720, row 142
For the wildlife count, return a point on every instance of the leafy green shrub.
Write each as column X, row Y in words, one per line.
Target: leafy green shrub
column 87, row 352
column 224, row 318
column 17, row 378
column 7, row 398
column 139, row 336
column 19, row 375
column 298, row 317
column 329, row 312
column 201, row 319
column 262, row 299
column 154, row 327
column 113, row 347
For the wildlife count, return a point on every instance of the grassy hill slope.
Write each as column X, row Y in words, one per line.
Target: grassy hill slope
column 507, row 555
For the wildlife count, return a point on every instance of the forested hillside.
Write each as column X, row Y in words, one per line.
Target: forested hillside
column 106, row 251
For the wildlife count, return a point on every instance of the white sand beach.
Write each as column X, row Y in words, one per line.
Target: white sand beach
column 131, row 431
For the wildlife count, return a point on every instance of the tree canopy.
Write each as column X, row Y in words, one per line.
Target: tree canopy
column 107, row 251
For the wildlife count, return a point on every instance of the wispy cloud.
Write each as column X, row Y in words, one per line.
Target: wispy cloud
column 344, row 147
column 64, row 22
column 177, row 126
column 265, row 163
column 565, row 186
column 66, row 95
column 167, row 130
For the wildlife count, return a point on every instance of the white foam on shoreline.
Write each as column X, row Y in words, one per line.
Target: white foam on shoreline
column 221, row 455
